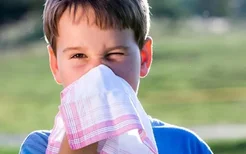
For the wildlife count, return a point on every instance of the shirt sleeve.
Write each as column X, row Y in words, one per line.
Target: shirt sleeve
column 35, row 143
column 177, row 140
column 197, row 145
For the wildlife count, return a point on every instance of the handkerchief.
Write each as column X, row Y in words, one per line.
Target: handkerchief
column 102, row 107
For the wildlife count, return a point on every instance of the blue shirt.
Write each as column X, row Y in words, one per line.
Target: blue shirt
column 170, row 139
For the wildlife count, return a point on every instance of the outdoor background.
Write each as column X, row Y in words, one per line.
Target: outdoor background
column 198, row 77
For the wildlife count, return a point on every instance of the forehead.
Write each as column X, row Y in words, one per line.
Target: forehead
column 81, row 29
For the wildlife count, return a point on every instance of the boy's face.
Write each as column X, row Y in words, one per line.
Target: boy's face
column 81, row 46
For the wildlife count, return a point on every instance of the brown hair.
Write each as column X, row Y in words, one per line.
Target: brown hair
column 115, row 14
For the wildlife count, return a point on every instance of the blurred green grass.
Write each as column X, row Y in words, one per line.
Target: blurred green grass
column 8, row 150
column 228, row 146
column 194, row 80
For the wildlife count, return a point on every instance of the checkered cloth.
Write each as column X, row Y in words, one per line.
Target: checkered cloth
column 102, row 107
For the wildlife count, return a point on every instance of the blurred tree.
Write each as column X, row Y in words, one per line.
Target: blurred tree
column 218, row 8
column 242, row 8
column 168, row 8
column 12, row 10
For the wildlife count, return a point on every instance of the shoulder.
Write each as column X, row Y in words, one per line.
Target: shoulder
column 169, row 139
column 36, row 142
column 175, row 139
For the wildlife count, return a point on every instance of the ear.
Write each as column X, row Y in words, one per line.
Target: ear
column 53, row 65
column 146, row 57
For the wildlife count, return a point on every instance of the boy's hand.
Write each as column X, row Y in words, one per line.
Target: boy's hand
column 65, row 149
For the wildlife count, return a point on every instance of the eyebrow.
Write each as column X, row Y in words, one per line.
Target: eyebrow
column 80, row 48
column 119, row 47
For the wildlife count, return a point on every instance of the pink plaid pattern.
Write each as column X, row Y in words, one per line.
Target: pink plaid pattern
column 99, row 117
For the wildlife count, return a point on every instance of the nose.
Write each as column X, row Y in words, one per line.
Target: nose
column 94, row 62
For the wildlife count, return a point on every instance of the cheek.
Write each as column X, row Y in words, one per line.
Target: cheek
column 70, row 73
column 129, row 71
column 133, row 74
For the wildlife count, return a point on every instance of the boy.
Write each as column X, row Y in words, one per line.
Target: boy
column 83, row 34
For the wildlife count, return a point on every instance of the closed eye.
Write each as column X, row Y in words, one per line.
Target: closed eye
column 115, row 55
column 78, row 56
